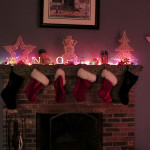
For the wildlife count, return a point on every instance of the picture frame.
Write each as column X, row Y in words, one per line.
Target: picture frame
column 79, row 14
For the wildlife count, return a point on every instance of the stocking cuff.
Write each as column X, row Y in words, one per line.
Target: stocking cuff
column 86, row 75
column 60, row 72
column 40, row 77
column 109, row 76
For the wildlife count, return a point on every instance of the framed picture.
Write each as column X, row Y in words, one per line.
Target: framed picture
column 70, row 13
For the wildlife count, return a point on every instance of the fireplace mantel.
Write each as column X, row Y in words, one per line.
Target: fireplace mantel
column 118, row 119
column 70, row 69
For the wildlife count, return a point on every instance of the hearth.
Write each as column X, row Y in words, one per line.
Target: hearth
column 75, row 131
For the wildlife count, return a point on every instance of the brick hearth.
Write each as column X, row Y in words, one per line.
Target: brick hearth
column 118, row 119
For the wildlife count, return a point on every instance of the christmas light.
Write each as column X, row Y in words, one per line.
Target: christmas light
column 58, row 59
column 35, row 61
column 12, row 61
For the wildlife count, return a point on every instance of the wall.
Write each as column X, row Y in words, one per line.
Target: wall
column 22, row 18
column 1, row 113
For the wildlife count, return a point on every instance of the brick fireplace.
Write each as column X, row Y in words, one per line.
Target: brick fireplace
column 117, row 124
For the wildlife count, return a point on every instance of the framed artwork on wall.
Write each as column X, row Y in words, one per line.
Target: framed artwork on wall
column 82, row 14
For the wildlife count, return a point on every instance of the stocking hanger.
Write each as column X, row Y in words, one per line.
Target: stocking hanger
column 127, row 67
column 105, row 66
column 12, row 68
column 82, row 66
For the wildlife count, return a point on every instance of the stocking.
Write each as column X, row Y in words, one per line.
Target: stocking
column 60, row 92
column 32, row 89
column 9, row 93
column 128, row 81
column 109, row 80
column 59, row 85
column 104, row 92
column 84, row 82
column 81, row 89
column 37, row 82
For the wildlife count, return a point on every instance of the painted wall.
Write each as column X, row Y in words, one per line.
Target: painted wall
column 22, row 18
column 1, row 113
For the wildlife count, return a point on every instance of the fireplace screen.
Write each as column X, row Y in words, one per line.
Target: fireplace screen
column 69, row 131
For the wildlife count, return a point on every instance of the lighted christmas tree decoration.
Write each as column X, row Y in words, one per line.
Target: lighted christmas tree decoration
column 124, row 56
column 19, row 44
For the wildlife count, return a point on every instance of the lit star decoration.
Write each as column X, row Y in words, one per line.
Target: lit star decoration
column 19, row 44
column 124, row 49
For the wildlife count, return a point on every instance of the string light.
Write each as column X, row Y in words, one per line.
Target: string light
column 58, row 58
column 35, row 60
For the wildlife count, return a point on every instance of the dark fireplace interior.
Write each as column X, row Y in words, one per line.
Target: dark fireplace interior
column 69, row 131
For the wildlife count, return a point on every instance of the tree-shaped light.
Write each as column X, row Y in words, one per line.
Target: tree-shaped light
column 124, row 50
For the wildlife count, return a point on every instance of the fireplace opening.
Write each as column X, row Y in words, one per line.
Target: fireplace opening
column 69, row 131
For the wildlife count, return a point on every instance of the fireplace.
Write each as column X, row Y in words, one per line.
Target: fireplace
column 76, row 131
column 113, row 122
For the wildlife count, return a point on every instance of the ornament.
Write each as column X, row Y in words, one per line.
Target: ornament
column 94, row 62
column 124, row 50
column 35, row 60
column 121, row 63
column 126, row 61
column 104, row 57
column 69, row 47
column 69, row 62
column 59, row 60
column 19, row 44
column 21, row 62
column 47, row 61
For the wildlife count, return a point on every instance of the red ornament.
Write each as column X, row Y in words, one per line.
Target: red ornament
column 21, row 63
column 121, row 63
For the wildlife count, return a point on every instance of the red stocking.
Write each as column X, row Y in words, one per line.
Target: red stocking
column 60, row 92
column 84, row 82
column 105, row 90
column 109, row 80
column 37, row 82
column 81, row 89
column 59, row 85
column 32, row 89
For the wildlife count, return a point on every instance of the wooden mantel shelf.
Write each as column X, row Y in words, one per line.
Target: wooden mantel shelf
column 70, row 69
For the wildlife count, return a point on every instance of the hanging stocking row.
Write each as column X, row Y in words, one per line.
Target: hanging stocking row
column 84, row 82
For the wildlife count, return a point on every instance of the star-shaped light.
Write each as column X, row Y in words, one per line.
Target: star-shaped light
column 19, row 43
